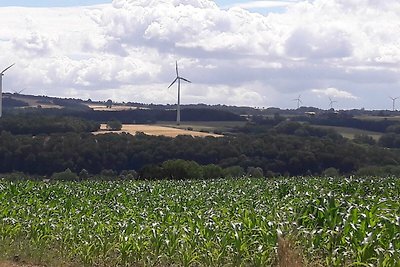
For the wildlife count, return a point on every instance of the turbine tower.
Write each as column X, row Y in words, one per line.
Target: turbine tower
column 394, row 101
column 178, row 78
column 331, row 102
column 1, row 89
column 298, row 101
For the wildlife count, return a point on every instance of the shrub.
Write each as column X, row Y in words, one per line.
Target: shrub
column 66, row 175
column 182, row 169
column 255, row 172
column 84, row 174
column 364, row 139
column 331, row 172
column 212, row 171
column 233, row 172
column 114, row 125
column 129, row 175
column 108, row 173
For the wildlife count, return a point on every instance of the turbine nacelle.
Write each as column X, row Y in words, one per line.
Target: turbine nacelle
column 177, row 76
column 331, row 102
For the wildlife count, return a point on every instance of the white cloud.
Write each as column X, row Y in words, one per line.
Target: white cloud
column 333, row 92
column 233, row 56
column 261, row 4
column 34, row 44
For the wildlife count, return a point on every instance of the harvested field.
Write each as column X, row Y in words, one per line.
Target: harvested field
column 155, row 130
column 113, row 108
column 34, row 102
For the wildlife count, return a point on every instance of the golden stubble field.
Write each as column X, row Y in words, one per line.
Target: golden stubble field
column 154, row 130
column 99, row 107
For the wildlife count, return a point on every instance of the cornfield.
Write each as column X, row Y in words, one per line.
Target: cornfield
column 227, row 222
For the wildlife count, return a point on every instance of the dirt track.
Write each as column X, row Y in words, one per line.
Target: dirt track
column 17, row 264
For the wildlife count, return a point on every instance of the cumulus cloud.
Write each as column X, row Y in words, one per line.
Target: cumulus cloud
column 316, row 43
column 34, row 44
column 334, row 92
column 127, row 50
column 261, row 4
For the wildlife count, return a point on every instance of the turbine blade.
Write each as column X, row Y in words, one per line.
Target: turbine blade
column 176, row 67
column 173, row 82
column 185, row 80
column 7, row 68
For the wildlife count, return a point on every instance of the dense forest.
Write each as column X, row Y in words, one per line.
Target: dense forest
column 273, row 147
column 33, row 124
column 132, row 116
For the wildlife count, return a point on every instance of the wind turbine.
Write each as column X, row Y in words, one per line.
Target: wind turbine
column 19, row 92
column 331, row 102
column 178, row 78
column 1, row 88
column 394, row 101
column 298, row 101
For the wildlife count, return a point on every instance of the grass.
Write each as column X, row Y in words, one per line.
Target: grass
column 34, row 102
column 377, row 118
column 210, row 126
column 349, row 133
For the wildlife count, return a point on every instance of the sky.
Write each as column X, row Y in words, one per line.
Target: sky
column 253, row 53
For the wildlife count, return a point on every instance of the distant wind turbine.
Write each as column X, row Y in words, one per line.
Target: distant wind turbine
column 19, row 92
column 331, row 102
column 394, row 101
column 1, row 88
column 178, row 78
column 298, row 101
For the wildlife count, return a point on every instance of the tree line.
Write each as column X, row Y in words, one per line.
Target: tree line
column 131, row 116
column 33, row 124
column 275, row 153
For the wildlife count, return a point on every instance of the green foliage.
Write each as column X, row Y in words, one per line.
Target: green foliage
column 234, row 172
column 278, row 154
column 364, row 139
column 331, row 172
column 84, row 174
column 255, row 172
column 212, row 171
column 37, row 124
column 66, row 175
column 109, row 103
column 114, row 125
column 390, row 140
column 379, row 170
column 181, row 169
column 232, row 222
column 107, row 173
column 395, row 128
column 288, row 127
column 129, row 175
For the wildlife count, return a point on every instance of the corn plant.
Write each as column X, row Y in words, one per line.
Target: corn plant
column 227, row 222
